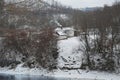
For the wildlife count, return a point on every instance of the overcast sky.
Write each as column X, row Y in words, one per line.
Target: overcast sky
column 86, row 3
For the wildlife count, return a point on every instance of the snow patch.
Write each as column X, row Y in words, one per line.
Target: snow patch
column 69, row 54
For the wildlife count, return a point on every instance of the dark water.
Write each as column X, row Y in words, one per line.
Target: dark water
column 23, row 77
column 27, row 77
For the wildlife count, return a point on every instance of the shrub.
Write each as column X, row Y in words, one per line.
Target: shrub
column 40, row 45
column 102, row 51
column 46, row 53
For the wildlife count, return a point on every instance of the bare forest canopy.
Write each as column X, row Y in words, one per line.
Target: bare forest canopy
column 34, row 13
column 38, row 13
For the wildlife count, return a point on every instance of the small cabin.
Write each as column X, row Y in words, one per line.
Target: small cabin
column 64, row 32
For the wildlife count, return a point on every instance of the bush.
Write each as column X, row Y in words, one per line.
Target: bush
column 46, row 53
column 40, row 45
column 102, row 51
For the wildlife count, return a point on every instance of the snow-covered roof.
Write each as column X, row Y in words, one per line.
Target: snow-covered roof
column 61, row 31
column 68, row 28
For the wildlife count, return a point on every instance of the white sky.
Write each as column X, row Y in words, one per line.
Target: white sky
column 86, row 3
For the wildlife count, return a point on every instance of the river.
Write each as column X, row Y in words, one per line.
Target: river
column 28, row 77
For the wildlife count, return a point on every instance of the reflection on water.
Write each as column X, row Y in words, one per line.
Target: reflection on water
column 6, row 77
column 27, row 77
column 24, row 77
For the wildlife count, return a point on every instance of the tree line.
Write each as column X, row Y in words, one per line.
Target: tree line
column 101, row 30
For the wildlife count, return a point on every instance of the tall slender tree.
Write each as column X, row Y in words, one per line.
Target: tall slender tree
column 1, row 7
column 1, row 13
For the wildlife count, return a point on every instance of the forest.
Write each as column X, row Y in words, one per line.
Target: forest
column 27, row 34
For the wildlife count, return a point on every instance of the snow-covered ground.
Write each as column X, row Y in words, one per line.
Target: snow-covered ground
column 70, row 55
column 22, row 70
column 82, row 74
column 78, row 74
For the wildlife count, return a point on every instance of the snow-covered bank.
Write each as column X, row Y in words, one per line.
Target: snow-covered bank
column 82, row 74
column 25, row 71
column 78, row 74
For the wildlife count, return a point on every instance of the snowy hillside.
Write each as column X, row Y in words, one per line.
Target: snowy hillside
column 31, row 4
column 70, row 55
column 34, row 4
